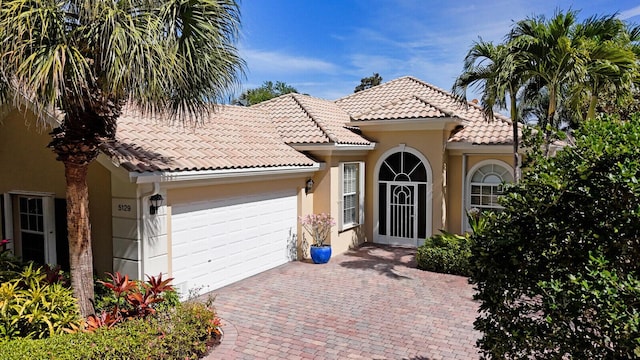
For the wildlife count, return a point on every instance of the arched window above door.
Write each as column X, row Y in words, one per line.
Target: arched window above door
column 403, row 197
column 403, row 166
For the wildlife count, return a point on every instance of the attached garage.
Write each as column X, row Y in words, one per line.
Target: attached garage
column 217, row 242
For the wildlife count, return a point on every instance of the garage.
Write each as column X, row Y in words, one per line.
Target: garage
column 218, row 242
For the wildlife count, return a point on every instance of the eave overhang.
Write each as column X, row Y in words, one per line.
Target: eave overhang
column 406, row 124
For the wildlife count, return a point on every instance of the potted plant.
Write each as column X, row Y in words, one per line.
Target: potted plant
column 318, row 226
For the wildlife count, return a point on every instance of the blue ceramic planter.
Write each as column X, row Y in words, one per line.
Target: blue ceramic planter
column 320, row 254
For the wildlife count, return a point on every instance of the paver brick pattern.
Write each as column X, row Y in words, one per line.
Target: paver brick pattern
column 369, row 303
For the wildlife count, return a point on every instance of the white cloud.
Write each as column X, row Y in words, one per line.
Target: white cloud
column 279, row 63
column 629, row 13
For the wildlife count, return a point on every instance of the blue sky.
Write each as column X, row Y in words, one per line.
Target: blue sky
column 324, row 47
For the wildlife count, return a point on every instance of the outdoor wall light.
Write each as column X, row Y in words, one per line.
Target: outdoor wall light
column 308, row 186
column 156, row 202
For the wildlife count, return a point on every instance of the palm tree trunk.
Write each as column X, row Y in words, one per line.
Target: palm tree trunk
column 593, row 101
column 80, row 254
column 516, row 142
column 550, row 115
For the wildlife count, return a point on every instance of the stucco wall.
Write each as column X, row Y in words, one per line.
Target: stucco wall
column 431, row 145
column 456, row 181
column 327, row 199
column 30, row 166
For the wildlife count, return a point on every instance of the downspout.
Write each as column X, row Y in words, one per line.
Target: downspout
column 141, row 223
column 464, row 194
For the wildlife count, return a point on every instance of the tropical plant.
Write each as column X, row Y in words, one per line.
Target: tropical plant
column 611, row 63
column 130, row 299
column 556, row 270
column 187, row 332
column 89, row 58
column 499, row 74
column 318, row 226
column 34, row 308
column 573, row 61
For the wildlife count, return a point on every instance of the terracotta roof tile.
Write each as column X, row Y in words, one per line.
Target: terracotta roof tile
column 230, row 137
column 304, row 119
column 410, row 98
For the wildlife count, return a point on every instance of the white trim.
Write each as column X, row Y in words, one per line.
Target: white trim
column 359, row 192
column 161, row 176
column 480, row 149
column 466, row 200
column 407, row 124
column 333, row 147
column 48, row 218
column 8, row 220
column 377, row 238
column 463, row 208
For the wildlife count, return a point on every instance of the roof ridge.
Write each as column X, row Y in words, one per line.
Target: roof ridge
column 445, row 111
column 332, row 137
column 384, row 84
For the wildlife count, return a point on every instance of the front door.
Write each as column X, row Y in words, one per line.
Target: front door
column 403, row 193
column 402, row 210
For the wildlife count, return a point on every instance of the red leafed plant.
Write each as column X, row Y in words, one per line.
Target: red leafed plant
column 132, row 299
column 105, row 319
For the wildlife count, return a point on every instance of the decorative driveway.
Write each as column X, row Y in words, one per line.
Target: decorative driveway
column 370, row 303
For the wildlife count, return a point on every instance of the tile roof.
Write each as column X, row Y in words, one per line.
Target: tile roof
column 302, row 119
column 231, row 137
column 410, row 98
column 235, row 137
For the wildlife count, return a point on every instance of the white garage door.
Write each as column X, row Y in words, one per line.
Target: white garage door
column 216, row 243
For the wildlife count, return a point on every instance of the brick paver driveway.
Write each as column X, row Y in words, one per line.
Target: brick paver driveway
column 370, row 303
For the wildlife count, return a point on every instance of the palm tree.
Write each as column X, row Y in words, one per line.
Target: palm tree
column 551, row 56
column 612, row 64
column 496, row 71
column 89, row 58
column 573, row 60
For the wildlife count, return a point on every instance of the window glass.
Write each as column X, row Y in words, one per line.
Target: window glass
column 486, row 184
column 350, row 193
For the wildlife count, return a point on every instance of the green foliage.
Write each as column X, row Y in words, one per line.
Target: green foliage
column 267, row 91
column 557, row 270
column 369, row 82
column 445, row 253
column 31, row 307
column 9, row 266
column 182, row 333
column 121, row 299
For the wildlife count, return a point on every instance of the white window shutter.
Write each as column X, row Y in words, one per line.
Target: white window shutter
column 361, row 186
column 341, row 199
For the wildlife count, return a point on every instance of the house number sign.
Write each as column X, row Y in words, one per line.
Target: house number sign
column 125, row 208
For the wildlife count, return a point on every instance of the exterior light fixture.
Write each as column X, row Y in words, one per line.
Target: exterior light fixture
column 156, row 202
column 308, row 186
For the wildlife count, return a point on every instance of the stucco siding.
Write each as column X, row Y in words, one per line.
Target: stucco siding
column 431, row 145
column 31, row 167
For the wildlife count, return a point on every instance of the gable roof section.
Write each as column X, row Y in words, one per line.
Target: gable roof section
column 410, row 98
column 231, row 137
column 302, row 119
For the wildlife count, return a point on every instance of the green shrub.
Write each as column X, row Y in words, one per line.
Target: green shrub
column 445, row 253
column 31, row 307
column 180, row 333
column 557, row 271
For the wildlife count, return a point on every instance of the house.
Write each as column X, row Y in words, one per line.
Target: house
column 393, row 164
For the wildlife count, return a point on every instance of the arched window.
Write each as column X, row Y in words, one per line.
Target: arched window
column 485, row 184
column 403, row 197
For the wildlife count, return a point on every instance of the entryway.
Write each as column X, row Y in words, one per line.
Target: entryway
column 403, row 197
